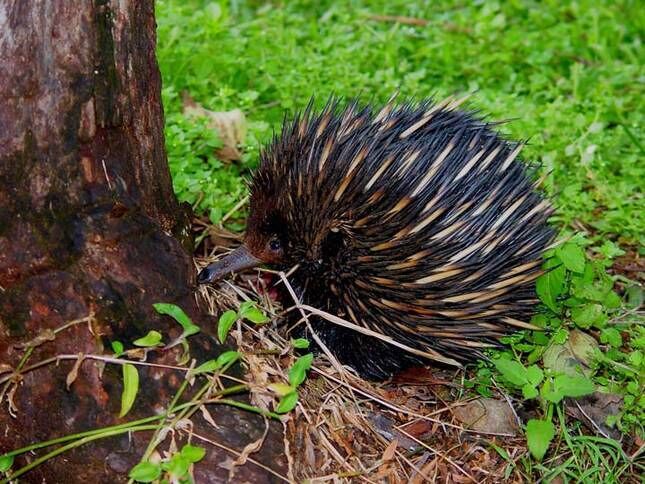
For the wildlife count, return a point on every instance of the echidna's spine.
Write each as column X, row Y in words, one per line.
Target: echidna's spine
column 415, row 220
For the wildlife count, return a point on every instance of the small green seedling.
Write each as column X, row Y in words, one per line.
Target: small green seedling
column 117, row 348
column 130, row 388
column 145, row 472
column 176, row 468
column 178, row 315
column 300, row 343
column 6, row 461
column 152, row 339
column 248, row 311
column 212, row 366
column 289, row 393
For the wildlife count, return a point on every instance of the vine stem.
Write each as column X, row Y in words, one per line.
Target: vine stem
column 72, row 445
column 30, row 348
column 123, row 426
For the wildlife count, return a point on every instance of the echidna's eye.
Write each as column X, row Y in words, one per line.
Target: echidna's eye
column 275, row 245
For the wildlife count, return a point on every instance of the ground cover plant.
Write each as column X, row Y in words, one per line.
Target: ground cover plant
column 567, row 76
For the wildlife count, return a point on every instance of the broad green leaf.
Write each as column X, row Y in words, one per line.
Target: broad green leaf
column 300, row 343
column 512, row 371
column 130, row 388
column 193, row 453
column 523, row 347
column 287, row 403
column 227, row 357
column 572, row 256
column 529, row 391
column 6, row 461
column 588, row 315
column 586, row 278
column 550, row 285
column 611, row 336
column 540, row 338
column 567, row 386
column 153, row 338
column 572, row 302
column 636, row 358
column 612, row 301
column 178, row 315
column 639, row 342
column 249, row 310
column 594, row 285
column 145, row 472
column 541, row 320
column 539, row 434
column 574, row 386
column 610, row 250
column 633, row 388
column 225, row 323
column 298, row 371
column 117, row 347
column 534, row 374
column 536, row 354
column 177, row 466
column 550, row 393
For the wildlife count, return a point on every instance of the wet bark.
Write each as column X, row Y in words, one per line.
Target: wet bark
column 89, row 225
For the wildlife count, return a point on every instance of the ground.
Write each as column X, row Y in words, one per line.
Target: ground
column 568, row 78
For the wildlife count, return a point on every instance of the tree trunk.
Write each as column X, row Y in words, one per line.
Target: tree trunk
column 90, row 228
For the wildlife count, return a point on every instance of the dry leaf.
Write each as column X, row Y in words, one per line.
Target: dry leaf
column 310, row 453
column 46, row 335
column 596, row 407
column 388, row 455
column 573, row 356
column 228, row 463
column 424, row 475
column 207, row 416
column 221, row 237
column 172, row 447
column 488, row 415
column 136, row 354
column 418, row 428
column 384, row 426
column 229, row 125
column 73, row 374
column 11, row 394
column 248, row 450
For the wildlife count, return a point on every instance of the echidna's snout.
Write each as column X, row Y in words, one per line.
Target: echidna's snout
column 237, row 260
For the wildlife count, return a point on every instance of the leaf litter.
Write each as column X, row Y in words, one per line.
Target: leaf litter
column 346, row 429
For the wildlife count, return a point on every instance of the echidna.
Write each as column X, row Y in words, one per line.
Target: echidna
column 416, row 221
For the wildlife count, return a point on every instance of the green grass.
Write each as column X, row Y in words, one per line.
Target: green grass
column 567, row 75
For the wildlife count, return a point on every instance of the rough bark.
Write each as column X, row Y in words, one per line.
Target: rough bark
column 89, row 225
